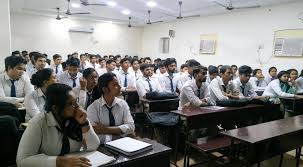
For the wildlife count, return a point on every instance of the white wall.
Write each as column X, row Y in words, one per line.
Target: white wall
column 5, row 35
column 50, row 36
column 240, row 33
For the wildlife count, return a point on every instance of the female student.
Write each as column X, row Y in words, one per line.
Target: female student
column 299, row 83
column 272, row 71
column 109, row 115
column 293, row 75
column 63, row 129
column 280, row 88
column 257, row 81
column 34, row 102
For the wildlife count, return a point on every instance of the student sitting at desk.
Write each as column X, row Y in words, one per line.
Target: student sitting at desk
column 72, row 76
column 126, row 79
column 168, row 81
column 189, row 75
column 222, row 88
column 234, row 70
column 110, row 115
column 195, row 92
column 14, row 83
column 63, row 129
column 110, row 67
column 299, row 84
column 257, row 81
column 40, row 63
column 272, row 75
column 84, row 92
column 34, row 102
column 135, row 69
column 212, row 73
column 293, row 75
column 146, row 83
column 280, row 88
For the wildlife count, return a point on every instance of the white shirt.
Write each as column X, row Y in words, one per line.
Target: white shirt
column 59, row 68
column 41, row 142
column 274, row 90
column 245, row 91
column 165, row 82
column 143, row 86
column 81, row 96
column 97, row 112
column 131, row 80
column 101, row 71
column 299, row 85
column 29, row 67
column 34, row 103
column 268, row 79
column 185, row 77
column 95, row 66
column 22, row 85
column 216, row 90
column 66, row 79
column 257, row 84
column 191, row 93
column 137, row 73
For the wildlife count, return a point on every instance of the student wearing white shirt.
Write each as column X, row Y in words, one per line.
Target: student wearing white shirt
column 135, row 69
column 147, row 84
column 234, row 69
column 34, row 101
column 117, row 59
column 272, row 75
column 280, row 88
column 30, row 63
column 257, row 81
column 72, row 75
column 93, row 62
column 127, row 80
column 110, row 115
column 161, row 69
column 63, row 129
column 84, row 92
column 195, row 92
column 40, row 63
column 84, row 64
column 168, row 81
column 299, row 83
column 14, row 83
column 57, row 67
column 293, row 75
column 102, row 63
column 110, row 67
column 188, row 76
column 212, row 73
column 222, row 88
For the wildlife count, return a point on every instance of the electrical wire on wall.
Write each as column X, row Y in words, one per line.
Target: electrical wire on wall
column 260, row 55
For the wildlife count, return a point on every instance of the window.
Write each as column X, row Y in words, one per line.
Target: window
column 164, row 45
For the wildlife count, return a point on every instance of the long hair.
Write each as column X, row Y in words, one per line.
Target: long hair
column 102, row 83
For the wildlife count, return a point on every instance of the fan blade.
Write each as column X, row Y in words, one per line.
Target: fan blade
column 220, row 4
column 79, row 13
column 192, row 16
column 97, row 4
column 157, row 22
column 247, row 7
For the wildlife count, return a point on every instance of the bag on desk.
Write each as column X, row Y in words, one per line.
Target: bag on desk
column 163, row 118
column 232, row 103
column 160, row 95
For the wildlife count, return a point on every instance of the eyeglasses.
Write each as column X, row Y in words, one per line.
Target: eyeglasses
column 74, row 104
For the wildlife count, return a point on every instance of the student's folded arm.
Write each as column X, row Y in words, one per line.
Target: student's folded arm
column 91, row 138
column 277, row 89
column 140, row 89
column 214, row 87
column 31, row 106
column 207, row 94
column 193, row 99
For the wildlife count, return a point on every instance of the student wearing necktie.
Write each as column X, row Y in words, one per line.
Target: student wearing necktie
column 39, row 63
column 72, row 75
column 94, row 62
column 126, row 79
column 84, row 92
column 135, row 69
column 168, row 81
column 272, row 75
column 109, row 114
column 188, row 76
column 57, row 67
column 34, row 101
column 257, row 80
column 14, row 83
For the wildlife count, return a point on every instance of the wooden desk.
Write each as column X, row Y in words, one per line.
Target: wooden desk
column 157, row 157
column 269, row 139
column 292, row 105
column 161, row 105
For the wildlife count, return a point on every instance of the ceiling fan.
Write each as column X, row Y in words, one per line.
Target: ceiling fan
column 58, row 14
column 149, row 22
column 230, row 6
column 86, row 3
column 68, row 12
column 180, row 12
column 129, row 24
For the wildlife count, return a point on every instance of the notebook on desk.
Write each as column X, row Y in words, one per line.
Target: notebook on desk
column 96, row 158
column 128, row 146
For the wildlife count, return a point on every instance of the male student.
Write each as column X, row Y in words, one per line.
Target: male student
column 14, row 84
column 84, row 64
column 195, row 92
column 127, row 80
column 234, row 70
column 147, row 84
column 222, row 88
column 117, row 59
column 135, row 68
column 39, row 63
column 72, row 75
column 57, row 67
column 212, row 73
column 93, row 62
column 147, row 60
column 110, row 67
column 169, row 81
column 188, row 76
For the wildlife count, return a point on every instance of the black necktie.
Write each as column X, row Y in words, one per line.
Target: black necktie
column 13, row 88
column 258, row 83
column 224, row 88
column 242, row 89
column 150, row 87
column 191, row 77
column 198, row 93
column 111, row 116
column 171, row 84
column 89, row 98
column 65, row 143
column 125, row 80
column 56, row 69
column 74, row 82
column 94, row 66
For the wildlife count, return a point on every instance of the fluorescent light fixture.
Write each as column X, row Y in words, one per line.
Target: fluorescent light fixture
column 111, row 3
column 75, row 5
column 125, row 12
column 151, row 4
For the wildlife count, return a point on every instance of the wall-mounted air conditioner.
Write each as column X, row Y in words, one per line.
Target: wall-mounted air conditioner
column 81, row 29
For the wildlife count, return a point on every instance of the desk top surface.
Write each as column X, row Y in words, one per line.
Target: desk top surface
column 268, row 130
column 155, row 101
column 120, row 158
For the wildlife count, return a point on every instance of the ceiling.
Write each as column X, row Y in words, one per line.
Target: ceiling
column 165, row 10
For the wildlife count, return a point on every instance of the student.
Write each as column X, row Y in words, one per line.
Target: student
column 219, row 67
column 280, row 88
column 40, row 63
column 105, row 58
column 84, row 92
column 63, row 129
column 168, row 81
column 30, row 64
column 93, row 62
column 110, row 67
column 222, row 88
column 127, row 80
column 183, row 69
column 111, row 57
column 117, row 59
column 161, row 69
column 293, row 75
column 34, row 101
column 188, row 76
column 272, row 71
column 147, row 84
column 14, row 83
column 102, row 63
column 147, row 60
column 57, row 67
column 109, row 115
column 234, row 69
column 84, row 64
column 257, row 81
column 135, row 69
column 72, row 75
column 195, row 92
column 212, row 73
column 299, row 83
